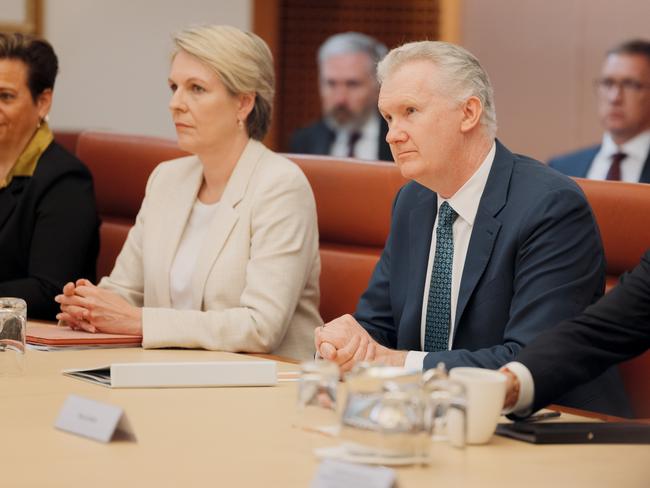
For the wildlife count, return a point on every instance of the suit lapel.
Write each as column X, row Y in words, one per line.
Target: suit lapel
column 486, row 227
column 224, row 219
column 384, row 148
column 324, row 139
column 645, row 173
column 583, row 164
column 8, row 198
column 172, row 221
column 421, row 221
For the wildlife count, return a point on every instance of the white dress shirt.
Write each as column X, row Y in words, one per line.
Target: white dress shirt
column 524, row 404
column 183, row 267
column 636, row 149
column 465, row 202
column 367, row 147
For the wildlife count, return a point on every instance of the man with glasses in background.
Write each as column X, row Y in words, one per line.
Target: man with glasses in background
column 624, row 110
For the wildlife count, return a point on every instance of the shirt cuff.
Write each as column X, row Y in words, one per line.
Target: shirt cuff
column 524, row 405
column 415, row 360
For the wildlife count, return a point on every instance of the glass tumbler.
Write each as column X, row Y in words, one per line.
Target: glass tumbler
column 317, row 388
column 446, row 407
column 13, row 323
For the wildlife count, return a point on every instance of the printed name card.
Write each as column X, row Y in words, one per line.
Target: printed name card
column 334, row 474
column 94, row 420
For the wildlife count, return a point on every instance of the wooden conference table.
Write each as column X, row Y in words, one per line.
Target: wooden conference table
column 242, row 437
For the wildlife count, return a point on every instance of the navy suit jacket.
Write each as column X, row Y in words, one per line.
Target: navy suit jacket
column 318, row 139
column 614, row 329
column 577, row 163
column 535, row 258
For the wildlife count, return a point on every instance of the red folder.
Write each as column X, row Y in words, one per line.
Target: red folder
column 44, row 334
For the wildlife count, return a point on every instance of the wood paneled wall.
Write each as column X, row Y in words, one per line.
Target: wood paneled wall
column 296, row 28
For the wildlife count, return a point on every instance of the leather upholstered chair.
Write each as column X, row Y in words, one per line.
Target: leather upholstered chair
column 622, row 211
column 354, row 201
column 67, row 139
column 120, row 165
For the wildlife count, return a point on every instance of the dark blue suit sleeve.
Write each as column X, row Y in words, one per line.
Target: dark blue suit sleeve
column 612, row 330
column 374, row 310
column 558, row 270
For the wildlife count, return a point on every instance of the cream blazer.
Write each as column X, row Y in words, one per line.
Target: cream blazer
column 255, row 288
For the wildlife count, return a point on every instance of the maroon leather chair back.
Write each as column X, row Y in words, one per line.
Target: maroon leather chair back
column 67, row 139
column 621, row 210
column 354, row 201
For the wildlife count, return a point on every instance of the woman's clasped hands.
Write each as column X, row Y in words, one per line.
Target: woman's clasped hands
column 87, row 307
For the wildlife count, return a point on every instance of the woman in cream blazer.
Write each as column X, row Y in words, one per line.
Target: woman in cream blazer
column 224, row 252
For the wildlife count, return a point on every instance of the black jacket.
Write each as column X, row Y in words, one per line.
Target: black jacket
column 49, row 231
column 318, row 139
column 614, row 329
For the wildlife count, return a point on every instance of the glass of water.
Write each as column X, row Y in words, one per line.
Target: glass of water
column 13, row 323
column 317, row 387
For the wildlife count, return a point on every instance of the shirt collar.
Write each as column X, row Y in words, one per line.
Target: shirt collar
column 28, row 159
column 369, row 127
column 466, row 200
column 636, row 148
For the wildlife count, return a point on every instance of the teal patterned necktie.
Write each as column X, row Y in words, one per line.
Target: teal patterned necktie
column 436, row 335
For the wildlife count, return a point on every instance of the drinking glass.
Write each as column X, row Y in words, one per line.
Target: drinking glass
column 317, row 387
column 384, row 414
column 13, row 321
column 446, row 407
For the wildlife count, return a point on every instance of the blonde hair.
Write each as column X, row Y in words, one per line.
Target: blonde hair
column 243, row 63
column 463, row 75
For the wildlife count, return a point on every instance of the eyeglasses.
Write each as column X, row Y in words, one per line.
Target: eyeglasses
column 625, row 85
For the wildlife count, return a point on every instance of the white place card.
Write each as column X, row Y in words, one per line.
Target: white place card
column 334, row 474
column 92, row 419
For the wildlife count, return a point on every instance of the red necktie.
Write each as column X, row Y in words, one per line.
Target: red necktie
column 352, row 141
column 614, row 172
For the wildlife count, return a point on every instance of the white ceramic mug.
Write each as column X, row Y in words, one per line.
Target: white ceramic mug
column 485, row 389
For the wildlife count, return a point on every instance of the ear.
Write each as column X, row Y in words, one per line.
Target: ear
column 44, row 103
column 246, row 102
column 472, row 111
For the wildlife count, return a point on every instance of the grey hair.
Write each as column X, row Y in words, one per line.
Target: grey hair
column 463, row 74
column 351, row 42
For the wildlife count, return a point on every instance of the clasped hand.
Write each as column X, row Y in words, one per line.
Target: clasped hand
column 345, row 342
column 84, row 306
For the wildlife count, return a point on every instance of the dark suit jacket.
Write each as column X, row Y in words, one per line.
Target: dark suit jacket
column 577, row 163
column 48, row 231
column 534, row 258
column 612, row 330
column 318, row 139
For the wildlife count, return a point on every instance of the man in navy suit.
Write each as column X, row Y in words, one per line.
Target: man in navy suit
column 486, row 249
column 624, row 109
column 351, row 126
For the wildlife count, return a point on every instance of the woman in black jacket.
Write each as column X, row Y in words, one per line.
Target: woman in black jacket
column 48, row 220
